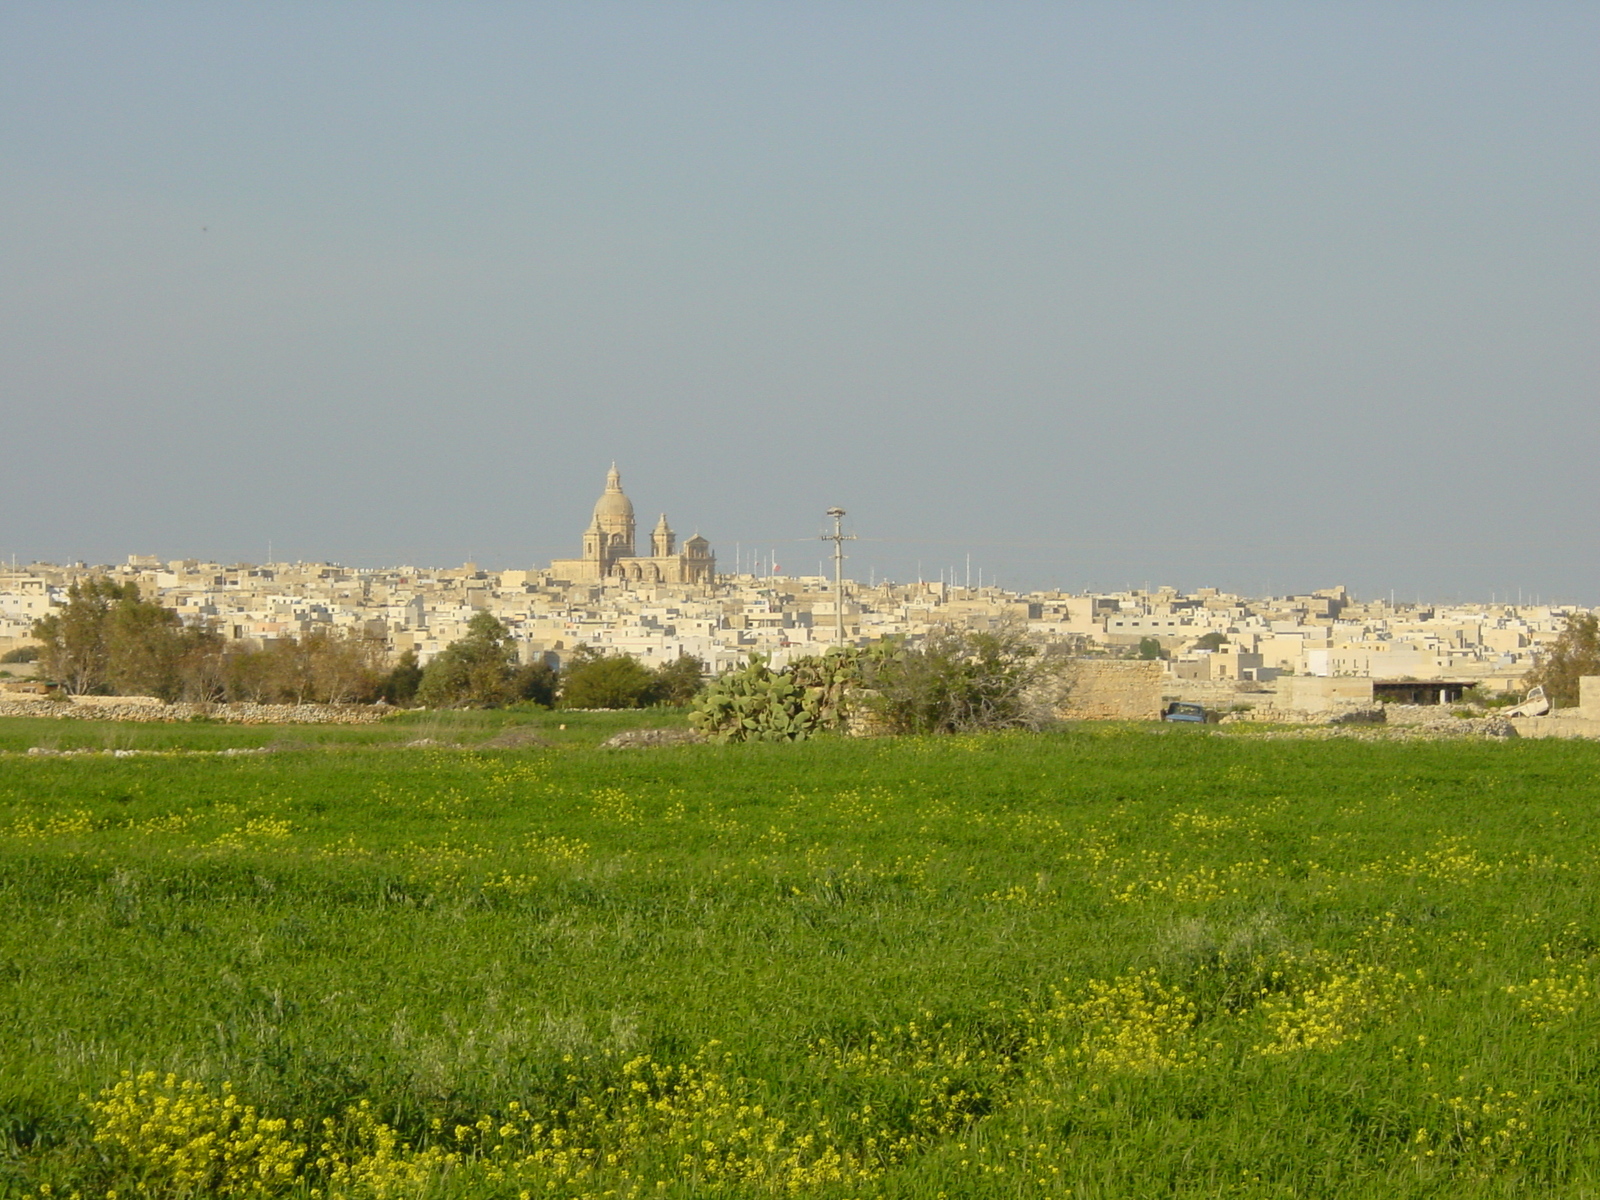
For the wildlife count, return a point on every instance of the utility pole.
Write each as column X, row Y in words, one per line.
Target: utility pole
column 838, row 537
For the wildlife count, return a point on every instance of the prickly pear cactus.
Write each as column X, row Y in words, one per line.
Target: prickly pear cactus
column 758, row 704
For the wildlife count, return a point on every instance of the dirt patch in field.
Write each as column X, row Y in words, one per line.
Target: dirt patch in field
column 515, row 739
column 635, row 739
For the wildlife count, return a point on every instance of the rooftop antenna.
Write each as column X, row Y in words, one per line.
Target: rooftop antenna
column 838, row 537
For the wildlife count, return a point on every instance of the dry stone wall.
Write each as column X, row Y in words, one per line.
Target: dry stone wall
column 1264, row 711
column 1113, row 690
column 141, row 708
column 1216, row 694
column 1443, row 730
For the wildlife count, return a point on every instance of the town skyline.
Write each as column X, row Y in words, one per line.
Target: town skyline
column 754, row 557
column 763, row 562
column 658, row 601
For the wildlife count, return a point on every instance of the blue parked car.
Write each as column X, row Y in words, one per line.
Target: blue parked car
column 1178, row 710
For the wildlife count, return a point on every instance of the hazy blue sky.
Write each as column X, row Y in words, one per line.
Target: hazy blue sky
column 1260, row 296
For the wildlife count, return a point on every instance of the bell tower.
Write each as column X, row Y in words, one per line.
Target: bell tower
column 663, row 539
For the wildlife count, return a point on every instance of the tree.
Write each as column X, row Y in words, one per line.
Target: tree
column 610, row 681
column 107, row 638
column 1574, row 654
column 73, row 641
column 1209, row 641
column 323, row 667
column 259, row 676
column 281, row 674
column 202, row 664
column 342, row 669
column 477, row 671
column 401, row 683
column 1150, row 649
column 537, row 683
column 679, row 682
column 144, row 648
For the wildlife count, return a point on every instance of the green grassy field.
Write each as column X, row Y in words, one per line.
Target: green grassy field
column 1110, row 961
column 464, row 728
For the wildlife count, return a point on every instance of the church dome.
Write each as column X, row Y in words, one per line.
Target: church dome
column 613, row 501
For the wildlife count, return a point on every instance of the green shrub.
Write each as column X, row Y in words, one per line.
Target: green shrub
column 537, row 683
column 404, row 678
column 610, row 681
column 680, row 681
column 963, row 681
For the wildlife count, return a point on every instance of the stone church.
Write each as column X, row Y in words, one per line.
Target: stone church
column 609, row 552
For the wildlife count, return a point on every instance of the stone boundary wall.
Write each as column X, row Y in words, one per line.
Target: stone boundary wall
column 1454, row 729
column 1557, row 726
column 1216, row 694
column 1354, row 714
column 1114, row 690
column 1422, row 714
column 140, row 708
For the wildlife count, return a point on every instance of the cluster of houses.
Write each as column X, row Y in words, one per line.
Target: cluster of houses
column 673, row 601
column 1207, row 636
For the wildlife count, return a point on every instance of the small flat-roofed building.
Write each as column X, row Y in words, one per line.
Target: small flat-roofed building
column 1420, row 691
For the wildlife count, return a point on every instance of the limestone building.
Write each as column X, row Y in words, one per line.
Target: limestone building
column 609, row 550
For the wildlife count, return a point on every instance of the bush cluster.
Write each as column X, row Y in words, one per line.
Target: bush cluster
column 956, row 681
column 108, row 640
column 483, row 670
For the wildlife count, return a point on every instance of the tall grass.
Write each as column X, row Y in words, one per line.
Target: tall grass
column 1105, row 962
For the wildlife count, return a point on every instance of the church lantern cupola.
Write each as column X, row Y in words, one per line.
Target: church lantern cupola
column 613, row 513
